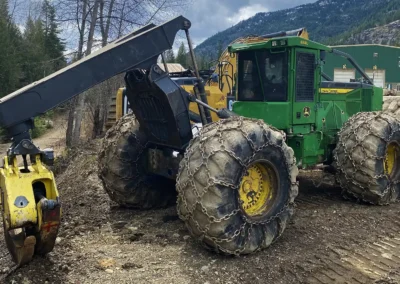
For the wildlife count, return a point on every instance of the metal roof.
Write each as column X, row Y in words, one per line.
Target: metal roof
column 172, row 67
column 367, row 44
column 369, row 57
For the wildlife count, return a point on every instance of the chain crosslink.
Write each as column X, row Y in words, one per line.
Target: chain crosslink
column 215, row 139
column 359, row 180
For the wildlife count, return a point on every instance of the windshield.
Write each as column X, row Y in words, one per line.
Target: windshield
column 262, row 76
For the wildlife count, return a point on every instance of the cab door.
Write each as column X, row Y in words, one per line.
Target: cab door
column 304, row 89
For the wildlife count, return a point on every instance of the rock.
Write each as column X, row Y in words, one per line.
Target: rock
column 26, row 281
column 65, row 268
column 170, row 218
column 130, row 265
column 110, row 271
column 185, row 238
column 132, row 229
column 48, row 123
column 119, row 225
column 58, row 240
column 136, row 237
column 106, row 263
column 176, row 236
column 161, row 236
column 205, row 268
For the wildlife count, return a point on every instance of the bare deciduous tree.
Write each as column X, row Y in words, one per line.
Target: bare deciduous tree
column 99, row 22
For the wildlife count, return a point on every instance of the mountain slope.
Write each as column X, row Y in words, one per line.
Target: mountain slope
column 388, row 34
column 324, row 19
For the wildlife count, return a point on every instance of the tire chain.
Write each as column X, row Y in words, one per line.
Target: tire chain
column 354, row 127
column 219, row 125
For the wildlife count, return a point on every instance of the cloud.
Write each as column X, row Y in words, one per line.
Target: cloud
column 209, row 17
column 246, row 12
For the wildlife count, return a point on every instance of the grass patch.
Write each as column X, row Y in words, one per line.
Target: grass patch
column 42, row 124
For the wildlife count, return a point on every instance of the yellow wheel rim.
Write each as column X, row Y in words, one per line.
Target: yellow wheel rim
column 392, row 153
column 257, row 189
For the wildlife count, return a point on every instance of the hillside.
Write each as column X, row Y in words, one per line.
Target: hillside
column 324, row 19
column 388, row 34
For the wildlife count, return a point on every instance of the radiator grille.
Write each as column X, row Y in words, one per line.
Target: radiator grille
column 305, row 77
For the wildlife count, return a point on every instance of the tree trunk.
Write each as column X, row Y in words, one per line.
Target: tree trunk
column 74, row 123
column 92, row 26
column 70, row 126
column 101, row 105
column 96, row 122
column 76, row 134
column 105, row 27
column 76, row 112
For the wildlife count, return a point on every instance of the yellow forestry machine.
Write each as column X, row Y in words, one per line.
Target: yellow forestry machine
column 219, row 86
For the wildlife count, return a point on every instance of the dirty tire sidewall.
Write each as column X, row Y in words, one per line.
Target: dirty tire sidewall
column 359, row 157
column 209, row 179
column 391, row 105
column 122, row 169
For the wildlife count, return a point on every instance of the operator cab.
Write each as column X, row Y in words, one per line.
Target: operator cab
column 263, row 76
column 278, row 81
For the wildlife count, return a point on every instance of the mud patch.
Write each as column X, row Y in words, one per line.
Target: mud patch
column 329, row 240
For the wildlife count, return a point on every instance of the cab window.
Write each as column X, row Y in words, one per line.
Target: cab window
column 263, row 76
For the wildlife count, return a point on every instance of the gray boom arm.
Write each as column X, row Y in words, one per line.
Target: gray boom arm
column 139, row 49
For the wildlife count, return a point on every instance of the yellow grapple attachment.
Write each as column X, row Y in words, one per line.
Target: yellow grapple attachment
column 30, row 208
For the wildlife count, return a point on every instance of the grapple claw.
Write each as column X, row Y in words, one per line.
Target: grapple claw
column 20, row 246
column 31, row 210
column 50, row 217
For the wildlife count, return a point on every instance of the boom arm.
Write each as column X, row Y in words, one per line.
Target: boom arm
column 139, row 49
column 354, row 63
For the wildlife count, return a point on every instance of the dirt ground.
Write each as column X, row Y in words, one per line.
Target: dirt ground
column 53, row 138
column 329, row 240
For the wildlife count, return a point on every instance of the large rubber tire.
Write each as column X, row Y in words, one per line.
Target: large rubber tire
column 360, row 156
column 122, row 169
column 209, row 180
column 391, row 104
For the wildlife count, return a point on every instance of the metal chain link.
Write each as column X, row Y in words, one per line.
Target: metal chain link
column 218, row 132
column 343, row 154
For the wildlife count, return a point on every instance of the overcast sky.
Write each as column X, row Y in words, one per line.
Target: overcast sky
column 211, row 16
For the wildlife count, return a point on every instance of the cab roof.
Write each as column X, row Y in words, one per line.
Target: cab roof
column 279, row 42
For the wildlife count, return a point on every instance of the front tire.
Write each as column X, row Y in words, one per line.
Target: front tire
column 367, row 157
column 236, row 185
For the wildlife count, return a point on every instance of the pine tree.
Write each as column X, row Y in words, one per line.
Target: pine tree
column 170, row 56
column 181, row 56
column 53, row 45
column 4, row 10
column 220, row 49
column 10, row 51
column 35, row 58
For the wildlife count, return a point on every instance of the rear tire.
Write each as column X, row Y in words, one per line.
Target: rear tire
column 367, row 157
column 391, row 105
column 122, row 169
column 236, row 185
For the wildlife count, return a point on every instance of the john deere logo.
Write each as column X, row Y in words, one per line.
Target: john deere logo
column 306, row 111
